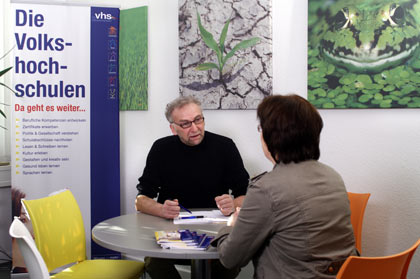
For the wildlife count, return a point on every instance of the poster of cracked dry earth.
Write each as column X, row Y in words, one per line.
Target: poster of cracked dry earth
column 225, row 52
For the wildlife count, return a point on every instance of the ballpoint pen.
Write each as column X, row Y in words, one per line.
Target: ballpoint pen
column 189, row 211
column 191, row 217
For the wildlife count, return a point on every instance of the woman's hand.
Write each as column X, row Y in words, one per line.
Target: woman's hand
column 233, row 217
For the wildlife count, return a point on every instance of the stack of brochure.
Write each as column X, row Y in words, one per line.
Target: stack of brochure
column 183, row 239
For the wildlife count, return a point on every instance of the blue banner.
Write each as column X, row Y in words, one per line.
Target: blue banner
column 105, row 155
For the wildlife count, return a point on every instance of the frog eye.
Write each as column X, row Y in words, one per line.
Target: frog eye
column 396, row 15
column 341, row 19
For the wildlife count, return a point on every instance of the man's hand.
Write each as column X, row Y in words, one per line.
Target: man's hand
column 170, row 209
column 225, row 204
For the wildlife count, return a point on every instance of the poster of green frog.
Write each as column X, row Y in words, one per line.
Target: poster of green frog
column 364, row 53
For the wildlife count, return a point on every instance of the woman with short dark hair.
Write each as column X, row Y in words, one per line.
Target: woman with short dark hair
column 295, row 219
column 291, row 127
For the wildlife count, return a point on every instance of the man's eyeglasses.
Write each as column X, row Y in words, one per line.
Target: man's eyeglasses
column 187, row 124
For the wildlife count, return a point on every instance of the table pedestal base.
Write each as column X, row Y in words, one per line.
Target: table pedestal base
column 200, row 269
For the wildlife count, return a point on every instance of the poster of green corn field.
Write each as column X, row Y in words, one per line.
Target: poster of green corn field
column 364, row 53
column 225, row 52
column 133, row 59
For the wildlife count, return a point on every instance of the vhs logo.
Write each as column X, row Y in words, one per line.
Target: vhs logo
column 103, row 16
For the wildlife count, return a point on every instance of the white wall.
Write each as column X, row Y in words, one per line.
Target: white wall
column 376, row 151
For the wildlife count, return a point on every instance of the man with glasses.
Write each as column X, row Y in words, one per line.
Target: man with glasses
column 194, row 168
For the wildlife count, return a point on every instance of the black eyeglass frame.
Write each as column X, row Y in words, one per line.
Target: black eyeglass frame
column 188, row 124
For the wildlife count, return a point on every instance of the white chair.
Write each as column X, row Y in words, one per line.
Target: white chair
column 34, row 262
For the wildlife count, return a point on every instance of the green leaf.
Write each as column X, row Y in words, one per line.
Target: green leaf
column 408, row 89
column 378, row 96
column 330, row 69
column 385, row 104
column 208, row 37
column 223, row 36
column 206, row 66
column 365, row 79
column 242, row 45
column 7, row 87
column 4, row 55
column 389, row 88
column 342, row 97
column 5, row 71
column 365, row 98
column 328, row 105
column 320, row 92
column 416, row 64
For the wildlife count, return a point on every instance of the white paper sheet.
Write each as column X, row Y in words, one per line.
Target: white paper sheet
column 212, row 216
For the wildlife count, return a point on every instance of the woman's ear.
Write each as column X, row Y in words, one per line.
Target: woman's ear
column 265, row 150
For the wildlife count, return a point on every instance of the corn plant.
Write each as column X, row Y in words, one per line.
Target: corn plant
column 3, row 72
column 219, row 48
column 2, row 84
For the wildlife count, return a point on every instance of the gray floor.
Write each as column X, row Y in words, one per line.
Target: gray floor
column 5, row 270
column 246, row 272
column 184, row 271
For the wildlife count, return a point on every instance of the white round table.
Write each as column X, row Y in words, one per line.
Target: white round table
column 133, row 234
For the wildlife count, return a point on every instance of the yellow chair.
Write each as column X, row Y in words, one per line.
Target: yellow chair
column 358, row 202
column 60, row 238
column 389, row 267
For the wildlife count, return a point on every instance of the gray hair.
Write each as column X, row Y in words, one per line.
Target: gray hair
column 179, row 103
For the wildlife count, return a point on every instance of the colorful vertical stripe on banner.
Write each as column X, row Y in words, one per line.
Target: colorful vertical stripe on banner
column 105, row 156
